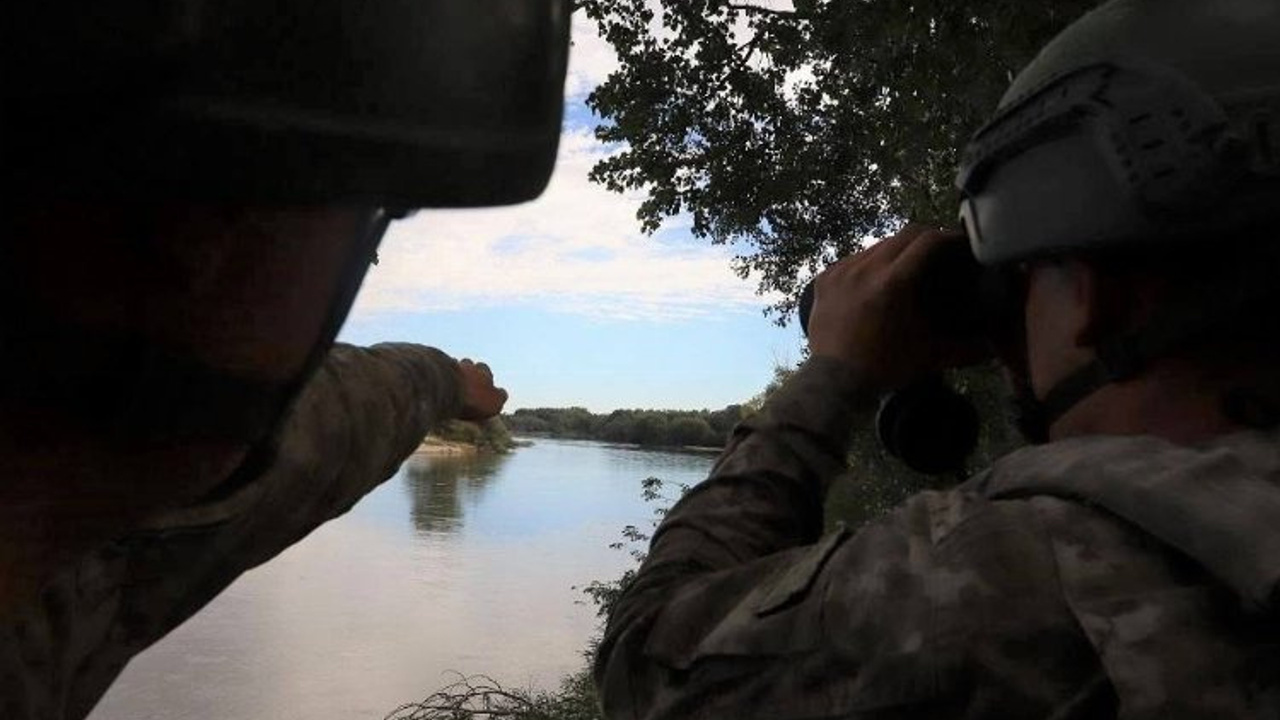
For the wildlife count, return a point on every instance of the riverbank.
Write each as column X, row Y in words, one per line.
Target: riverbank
column 456, row 437
column 529, row 438
column 462, row 563
column 435, row 446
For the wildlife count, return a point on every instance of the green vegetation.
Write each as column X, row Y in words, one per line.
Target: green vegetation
column 794, row 134
column 491, row 436
column 651, row 428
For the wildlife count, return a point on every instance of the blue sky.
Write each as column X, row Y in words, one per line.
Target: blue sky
column 550, row 358
column 566, row 299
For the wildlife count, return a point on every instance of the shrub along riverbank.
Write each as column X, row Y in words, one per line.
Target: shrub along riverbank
column 651, row 428
column 457, row 436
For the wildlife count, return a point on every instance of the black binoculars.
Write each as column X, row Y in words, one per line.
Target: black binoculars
column 929, row 425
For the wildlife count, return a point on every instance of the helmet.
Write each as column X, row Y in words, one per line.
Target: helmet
column 1145, row 124
column 122, row 114
column 396, row 103
column 1146, row 121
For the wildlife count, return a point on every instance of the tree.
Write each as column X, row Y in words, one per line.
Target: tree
column 650, row 429
column 490, row 436
column 529, row 422
column 724, row 420
column 619, row 427
column 780, row 375
column 576, row 422
column 691, row 430
column 796, row 133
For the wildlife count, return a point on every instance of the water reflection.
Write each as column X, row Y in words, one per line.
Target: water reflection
column 464, row 564
column 440, row 487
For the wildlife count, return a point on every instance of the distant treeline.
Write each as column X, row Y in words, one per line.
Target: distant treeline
column 701, row 428
column 489, row 436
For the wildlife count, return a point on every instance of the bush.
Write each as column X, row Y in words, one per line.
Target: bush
column 653, row 428
column 491, row 436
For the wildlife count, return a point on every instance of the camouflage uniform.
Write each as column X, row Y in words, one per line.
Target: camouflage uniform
column 361, row 414
column 1094, row 577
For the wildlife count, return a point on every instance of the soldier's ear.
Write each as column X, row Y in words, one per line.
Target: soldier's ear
column 1093, row 308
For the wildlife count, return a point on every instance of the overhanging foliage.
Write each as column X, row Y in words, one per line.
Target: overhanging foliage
column 794, row 134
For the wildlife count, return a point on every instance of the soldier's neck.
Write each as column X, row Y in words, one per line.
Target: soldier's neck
column 1174, row 400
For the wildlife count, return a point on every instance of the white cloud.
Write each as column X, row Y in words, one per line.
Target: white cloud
column 576, row 249
column 590, row 59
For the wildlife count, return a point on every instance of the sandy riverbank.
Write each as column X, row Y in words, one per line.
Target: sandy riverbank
column 436, row 446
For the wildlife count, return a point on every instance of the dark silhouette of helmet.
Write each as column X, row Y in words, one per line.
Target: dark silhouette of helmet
column 299, row 127
column 1146, row 121
column 394, row 103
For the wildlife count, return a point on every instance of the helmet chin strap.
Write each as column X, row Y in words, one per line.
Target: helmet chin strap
column 1123, row 358
column 1117, row 361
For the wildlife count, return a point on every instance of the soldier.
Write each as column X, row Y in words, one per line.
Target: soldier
column 1125, row 565
column 194, row 191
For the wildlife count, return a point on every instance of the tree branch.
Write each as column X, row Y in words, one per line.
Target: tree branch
column 757, row 10
column 750, row 48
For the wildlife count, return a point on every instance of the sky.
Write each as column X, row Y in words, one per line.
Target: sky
column 564, row 297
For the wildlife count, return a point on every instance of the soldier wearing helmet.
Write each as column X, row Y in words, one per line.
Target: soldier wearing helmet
column 1127, row 563
column 194, row 192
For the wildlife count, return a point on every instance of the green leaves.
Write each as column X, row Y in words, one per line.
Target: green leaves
column 794, row 135
column 669, row 428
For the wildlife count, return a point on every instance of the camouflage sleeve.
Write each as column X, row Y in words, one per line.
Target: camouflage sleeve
column 714, row 557
column 766, row 491
column 358, row 417
column 356, row 420
column 362, row 413
column 947, row 607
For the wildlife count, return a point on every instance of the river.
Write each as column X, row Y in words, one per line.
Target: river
column 456, row 564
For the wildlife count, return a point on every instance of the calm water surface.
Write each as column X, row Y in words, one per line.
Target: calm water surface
column 462, row 564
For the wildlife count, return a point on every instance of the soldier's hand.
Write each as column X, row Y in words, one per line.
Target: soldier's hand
column 481, row 399
column 868, row 312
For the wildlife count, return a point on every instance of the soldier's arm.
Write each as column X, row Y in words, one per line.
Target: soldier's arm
column 722, row 553
column 362, row 413
column 358, row 417
column 765, row 493
column 729, row 611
